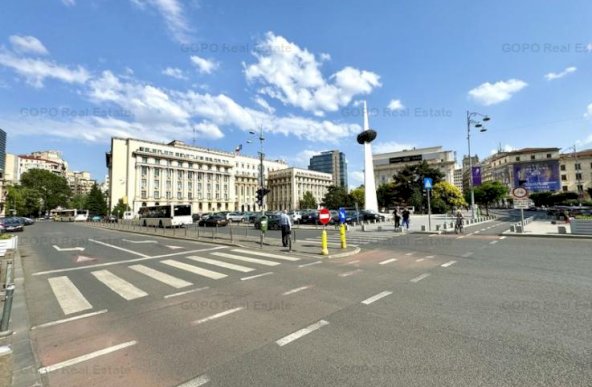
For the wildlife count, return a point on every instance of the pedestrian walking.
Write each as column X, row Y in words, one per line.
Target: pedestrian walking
column 286, row 226
column 406, row 214
column 397, row 219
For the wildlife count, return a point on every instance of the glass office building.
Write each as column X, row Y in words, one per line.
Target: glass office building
column 332, row 162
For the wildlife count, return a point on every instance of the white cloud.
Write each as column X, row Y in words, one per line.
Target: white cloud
column 395, row 104
column 69, row 3
column 491, row 94
column 391, row 146
column 356, row 178
column 174, row 16
column 588, row 113
column 174, row 72
column 35, row 71
column 27, row 44
column 264, row 104
column 589, row 47
column 552, row 76
column 292, row 75
column 204, row 65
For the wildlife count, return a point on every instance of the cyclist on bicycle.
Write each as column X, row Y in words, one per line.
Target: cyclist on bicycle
column 459, row 221
column 286, row 225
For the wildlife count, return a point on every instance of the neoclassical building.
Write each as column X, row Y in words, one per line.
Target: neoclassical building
column 289, row 185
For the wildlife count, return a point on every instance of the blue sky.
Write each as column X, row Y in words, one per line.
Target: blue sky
column 73, row 73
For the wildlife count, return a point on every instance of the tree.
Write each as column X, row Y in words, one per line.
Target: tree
column 446, row 196
column 542, row 198
column 308, row 201
column 336, row 197
column 385, row 195
column 120, row 208
column 95, row 202
column 589, row 190
column 78, row 201
column 53, row 189
column 409, row 184
column 490, row 192
column 358, row 195
column 26, row 201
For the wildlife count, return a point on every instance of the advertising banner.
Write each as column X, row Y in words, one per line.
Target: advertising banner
column 476, row 176
column 538, row 176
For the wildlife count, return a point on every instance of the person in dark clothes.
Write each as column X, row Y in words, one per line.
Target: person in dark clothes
column 397, row 219
column 406, row 215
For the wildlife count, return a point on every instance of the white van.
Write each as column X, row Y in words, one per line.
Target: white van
column 128, row 215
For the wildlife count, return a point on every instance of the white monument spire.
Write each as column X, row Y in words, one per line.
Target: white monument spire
column 365, row 138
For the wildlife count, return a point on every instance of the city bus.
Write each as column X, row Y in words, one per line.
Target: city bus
column 69, row 215
column 168, row 215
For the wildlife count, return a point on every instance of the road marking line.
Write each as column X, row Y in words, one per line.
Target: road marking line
column 268, row 255
column 68, row 295
column 174, row 247
column 476, row 232
column 377, row 297
column 297, row 290
column 409, row 254
column 245, row 259
column 197, row 382
column 302, row 332
column 160, row 276
column 450, row 263
column 502, row 237
column 139, row 242
column 119, row 285
column 460, row 237
column 430, row 257
column 194, row 269
column 493, row 242
column 350, row 273
column 319, row 242
column 217, row 315
column 83, row 358
column 185, row 292
column 419, row 278
column 470, row 234
column 353, row 262
column 467, row 255
column 68, row 248
column 118, row 248
column 126, row 261
column 231, row 266
column 310, row 264
column 388, row 261
column 52, row 323
column 420, row 260
column 256, row 276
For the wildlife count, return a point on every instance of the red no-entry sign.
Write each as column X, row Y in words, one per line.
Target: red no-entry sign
column 324, row 216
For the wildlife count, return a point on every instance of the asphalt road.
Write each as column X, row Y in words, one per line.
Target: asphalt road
column 471, row 309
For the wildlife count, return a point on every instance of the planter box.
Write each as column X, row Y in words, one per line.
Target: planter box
column 6, row 244
column 581, row 226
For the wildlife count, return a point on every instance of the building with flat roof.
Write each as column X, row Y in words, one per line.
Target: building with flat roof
column 386, row 165
column 333, row 162
column 576, row 171
column 288, row 186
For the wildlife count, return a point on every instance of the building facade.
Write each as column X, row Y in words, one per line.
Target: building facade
column 289, row 185
column 80, row 182
column 145, row 173
column 576, row 171
column 2, row 171
column 386, row 165
column 333, row 162
column 458, row 178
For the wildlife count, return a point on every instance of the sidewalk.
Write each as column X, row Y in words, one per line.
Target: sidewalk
column 544, row 228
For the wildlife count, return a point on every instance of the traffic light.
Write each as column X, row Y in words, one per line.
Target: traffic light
column 261, row 192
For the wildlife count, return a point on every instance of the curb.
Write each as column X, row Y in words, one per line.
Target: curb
column 552, row 236
column 343, row 255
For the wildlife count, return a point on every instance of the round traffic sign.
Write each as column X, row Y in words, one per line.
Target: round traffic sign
column 324, row 216
column 520, row 192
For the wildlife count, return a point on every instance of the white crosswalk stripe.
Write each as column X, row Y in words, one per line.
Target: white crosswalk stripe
column 119, row 285
column 246, row 259
column 268, row 255
column 175, row 282
column 226, row 265
column 194, row 269
column 68, row 295
column 356, row 238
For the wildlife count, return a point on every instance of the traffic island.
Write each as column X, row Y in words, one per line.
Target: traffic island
column 545, row 229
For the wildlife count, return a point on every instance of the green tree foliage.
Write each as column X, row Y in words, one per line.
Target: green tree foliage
column 385, row 195
column 489, row 193
column 53, row 189
column 308, row 201
column 78, row 201
column 409, row 185
column 336, row 197
column 26, row 201
column 357, row 195
column 95, row 202
column 120, row 208
column 446, row 196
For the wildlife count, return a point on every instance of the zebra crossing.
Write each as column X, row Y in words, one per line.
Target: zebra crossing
column 356, row 238
column 175, row 273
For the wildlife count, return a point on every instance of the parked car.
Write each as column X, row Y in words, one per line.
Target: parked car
column 111, row 219
column 310, row 217
column 296, row 216
column 12, row 224
column 27, row 221
column 254, row 216
column 213, row 221
column 96, row 218
column 273, row 222
column 368, row 215
column 236, row 217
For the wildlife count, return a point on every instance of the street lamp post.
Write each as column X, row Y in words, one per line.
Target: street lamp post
column 477, row 123
column 261, row 156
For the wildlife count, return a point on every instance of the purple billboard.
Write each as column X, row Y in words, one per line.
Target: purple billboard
column 476, row 176
column 538, row 176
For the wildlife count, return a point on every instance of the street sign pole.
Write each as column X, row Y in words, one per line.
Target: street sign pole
column 522, row 219
column 429, row 211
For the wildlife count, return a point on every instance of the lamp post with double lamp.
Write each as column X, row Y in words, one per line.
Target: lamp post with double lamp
column 261, row 191
column 478, row 124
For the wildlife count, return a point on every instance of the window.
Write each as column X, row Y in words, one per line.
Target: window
column 190, row 196
column 169, row 173
column 517, row 158
column 563, row 167
column 144, row 196
column 156, row 183
column 156, row 195
column 190, row 175
column 190, row 186
column 179, row 185
column 549, row 155
column 144, row 171
column 144, row 183
column 578, row 176
column 157, row 161
column 580, row 188
column 563, row 177
column 578, row 166
column 156, row 172
column 145, row 160
column 180, row 174
column 169, row 195
column 532, row 157
column 564, row 188
column 179, row 195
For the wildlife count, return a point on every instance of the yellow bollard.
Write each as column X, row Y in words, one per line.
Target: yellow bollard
column 324, row 249
column 342, row 235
